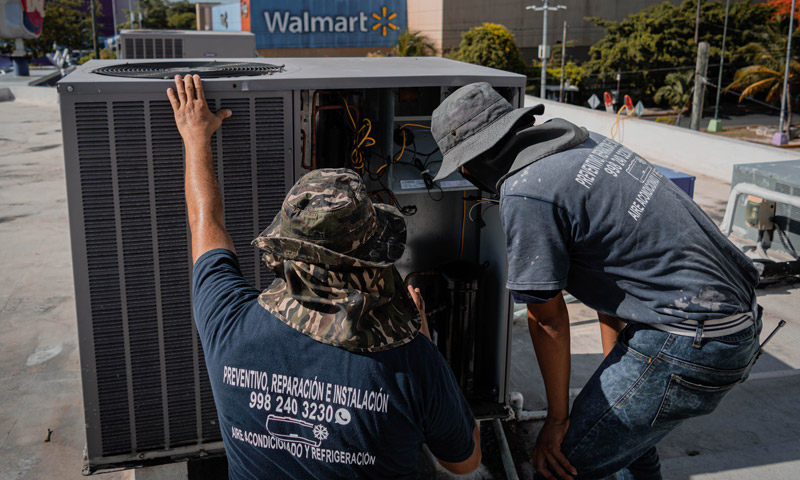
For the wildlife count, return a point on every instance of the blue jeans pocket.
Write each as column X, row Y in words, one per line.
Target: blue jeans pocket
column 685, row 399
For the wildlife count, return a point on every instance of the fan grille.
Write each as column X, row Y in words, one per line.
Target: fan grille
column 167, row 70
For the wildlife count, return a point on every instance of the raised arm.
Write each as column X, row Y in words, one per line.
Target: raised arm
column 549, row 328
column 196, row 124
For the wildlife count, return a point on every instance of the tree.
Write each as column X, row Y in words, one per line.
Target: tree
column 766, row 74
column 413, row 44
column 66, row 24
column 160, row 14
column 652, row 42
column 784, row 7
column 153, row 12
column 182, row 15
column 490, row 45
column 677, row 91
column 573, row 73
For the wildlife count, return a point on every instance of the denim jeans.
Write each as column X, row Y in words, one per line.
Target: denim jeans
column 650, row 382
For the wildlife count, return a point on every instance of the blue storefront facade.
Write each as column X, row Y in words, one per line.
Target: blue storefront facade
column 340, row 25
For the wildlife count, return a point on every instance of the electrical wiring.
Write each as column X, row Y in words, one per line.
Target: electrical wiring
column 414, row 125
column 615, row 126
column 406, row 210
column 787, row 243
column 477, row 203
column 403, row 149
column 361, row 140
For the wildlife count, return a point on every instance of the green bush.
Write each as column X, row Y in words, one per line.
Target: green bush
column 667, row 120
column 490, row 45
column 105, row 54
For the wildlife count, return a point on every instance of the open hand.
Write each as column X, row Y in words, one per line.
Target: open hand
column 195, row 121
column 547, row 456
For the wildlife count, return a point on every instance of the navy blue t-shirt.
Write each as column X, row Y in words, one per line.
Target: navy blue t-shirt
column 604, row 224
column 292, row 407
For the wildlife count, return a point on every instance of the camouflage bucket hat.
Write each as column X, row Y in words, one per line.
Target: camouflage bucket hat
column 328, row 219
column 332, row 251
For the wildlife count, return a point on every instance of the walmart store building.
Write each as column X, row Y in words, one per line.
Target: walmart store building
column 297, row 28
column 305, row 28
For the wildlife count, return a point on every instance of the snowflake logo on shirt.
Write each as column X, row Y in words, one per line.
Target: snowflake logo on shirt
column 320, row 432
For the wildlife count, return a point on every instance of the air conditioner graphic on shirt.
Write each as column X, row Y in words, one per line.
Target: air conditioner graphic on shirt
column 291, row 429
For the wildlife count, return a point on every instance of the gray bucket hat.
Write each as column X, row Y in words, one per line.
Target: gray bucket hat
column 471, row 121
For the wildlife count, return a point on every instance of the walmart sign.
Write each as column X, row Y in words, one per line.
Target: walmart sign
column 326, row 23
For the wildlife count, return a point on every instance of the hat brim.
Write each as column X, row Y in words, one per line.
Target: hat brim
column 382, row 249
column 483, row 140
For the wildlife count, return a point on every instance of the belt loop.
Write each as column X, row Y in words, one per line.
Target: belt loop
column 698, row 336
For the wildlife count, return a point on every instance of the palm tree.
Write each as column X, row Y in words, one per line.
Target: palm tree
column 677, row 92
column 414, row 44
column 767, row 72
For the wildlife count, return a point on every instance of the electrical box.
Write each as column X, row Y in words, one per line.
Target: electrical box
column 147, row 397
column 759, row 213
column 779, row 223
column 186, row 44
column 544, row 52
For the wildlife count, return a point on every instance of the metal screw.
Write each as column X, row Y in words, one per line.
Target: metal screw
column 70, row 88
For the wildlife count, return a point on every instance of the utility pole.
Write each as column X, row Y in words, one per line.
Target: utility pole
column 563, row 59
column 94, row 31
column 697, row 23
column 781, row 137
column 715, row 125
column 114, row 19
column 699, row 85
column 543, row 47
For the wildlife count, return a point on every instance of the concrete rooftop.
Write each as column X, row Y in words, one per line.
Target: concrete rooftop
column 755, row 433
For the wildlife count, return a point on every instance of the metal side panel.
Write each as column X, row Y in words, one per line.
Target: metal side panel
column 80, row 269
column 497, row 309
column 147, row 396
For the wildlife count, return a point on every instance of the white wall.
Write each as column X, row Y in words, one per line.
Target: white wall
column 687, row 150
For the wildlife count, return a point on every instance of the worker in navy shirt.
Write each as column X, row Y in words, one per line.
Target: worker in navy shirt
column 324, row 374
column 584, row 214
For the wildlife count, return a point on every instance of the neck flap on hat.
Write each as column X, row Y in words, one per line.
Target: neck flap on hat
column 360, row 309
column 538, row 141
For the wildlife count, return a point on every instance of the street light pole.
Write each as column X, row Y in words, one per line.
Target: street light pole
column 94, row 31
column 783, row 138
column 543, row 52
column 563, row 59
column 715, row 125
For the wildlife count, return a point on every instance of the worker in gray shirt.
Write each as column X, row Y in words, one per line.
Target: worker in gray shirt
column 584, row 214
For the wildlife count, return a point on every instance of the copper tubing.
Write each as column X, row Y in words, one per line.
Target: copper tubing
column 315, row 110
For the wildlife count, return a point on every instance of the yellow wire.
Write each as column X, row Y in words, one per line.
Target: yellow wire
column 347, row 107
column 615, row 125
column 414, row 125
column 362, row 138
column 402, row 150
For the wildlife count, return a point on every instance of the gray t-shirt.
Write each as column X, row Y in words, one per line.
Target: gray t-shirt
column 604, row 224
